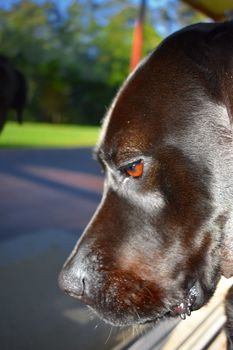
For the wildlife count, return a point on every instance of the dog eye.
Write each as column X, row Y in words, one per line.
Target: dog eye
column 134, row 169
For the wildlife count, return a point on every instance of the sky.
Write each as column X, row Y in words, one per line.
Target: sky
column 162, row 28
column 64, row 3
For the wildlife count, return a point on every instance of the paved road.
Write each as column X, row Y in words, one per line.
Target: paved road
column 41, row 189
column 47, row 197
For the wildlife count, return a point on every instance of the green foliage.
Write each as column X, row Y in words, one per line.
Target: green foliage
column 74, row 63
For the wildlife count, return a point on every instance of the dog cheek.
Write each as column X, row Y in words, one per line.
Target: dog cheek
column 125, row 298
column 204, row 261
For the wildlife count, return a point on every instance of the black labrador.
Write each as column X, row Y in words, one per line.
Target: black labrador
column 13, row 91
column 162, row 235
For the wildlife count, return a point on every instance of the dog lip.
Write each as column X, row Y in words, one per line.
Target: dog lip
column 186, row 306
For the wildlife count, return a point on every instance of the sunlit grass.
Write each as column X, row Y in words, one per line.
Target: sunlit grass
column 30, row 135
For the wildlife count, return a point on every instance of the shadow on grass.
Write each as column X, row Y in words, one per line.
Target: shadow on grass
column 17, row 146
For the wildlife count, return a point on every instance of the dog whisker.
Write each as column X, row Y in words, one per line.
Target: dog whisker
column 109, row 336
column 149, row 291
column 91, row 314
column 135, row 310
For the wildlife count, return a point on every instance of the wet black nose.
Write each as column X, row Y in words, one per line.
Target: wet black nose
column 72, row 281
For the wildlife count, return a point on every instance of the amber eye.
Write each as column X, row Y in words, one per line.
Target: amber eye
column 135, row 169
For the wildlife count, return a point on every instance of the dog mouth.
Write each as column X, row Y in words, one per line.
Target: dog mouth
column 191, row 300
column 186, row 306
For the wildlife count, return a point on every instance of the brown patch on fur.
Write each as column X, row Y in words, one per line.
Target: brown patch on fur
column 125, row 292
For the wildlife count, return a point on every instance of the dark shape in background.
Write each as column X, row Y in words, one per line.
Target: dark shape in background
column 13, row 91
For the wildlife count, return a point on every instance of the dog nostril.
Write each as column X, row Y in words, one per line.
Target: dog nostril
column 80, row 293
column 71, row 284
column 83, row 285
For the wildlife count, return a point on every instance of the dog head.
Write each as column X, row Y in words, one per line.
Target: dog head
column 153, row 247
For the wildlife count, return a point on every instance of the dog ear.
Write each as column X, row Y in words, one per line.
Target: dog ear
column 213, row 45
column 220, row 42
column 208, row 47
column 213, row 54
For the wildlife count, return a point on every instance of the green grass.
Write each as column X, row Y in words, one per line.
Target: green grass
column 31, row 135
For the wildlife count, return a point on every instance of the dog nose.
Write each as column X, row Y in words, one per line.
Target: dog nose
column 72, row 281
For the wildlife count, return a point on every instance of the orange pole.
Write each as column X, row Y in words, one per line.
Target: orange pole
column 138, row 37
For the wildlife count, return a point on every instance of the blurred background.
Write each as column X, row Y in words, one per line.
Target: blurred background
column 72, row 56
column 75, row 54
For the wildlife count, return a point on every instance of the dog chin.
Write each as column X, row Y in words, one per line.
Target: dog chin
column 130, row 320
column 183, row 309
column 126, row 321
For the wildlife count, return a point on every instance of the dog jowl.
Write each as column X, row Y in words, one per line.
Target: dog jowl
column 160, row 238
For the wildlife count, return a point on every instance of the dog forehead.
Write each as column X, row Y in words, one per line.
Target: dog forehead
column 125, row 139
column 132, row 114
column 156, row 98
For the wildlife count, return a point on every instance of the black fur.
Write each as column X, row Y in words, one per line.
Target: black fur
column 158, row 243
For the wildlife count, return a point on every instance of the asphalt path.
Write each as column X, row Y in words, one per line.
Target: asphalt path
column 41, row 189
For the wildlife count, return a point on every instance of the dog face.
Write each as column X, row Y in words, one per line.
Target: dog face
column 153, row 246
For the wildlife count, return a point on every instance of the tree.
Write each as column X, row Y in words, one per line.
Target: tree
column 76, row 61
